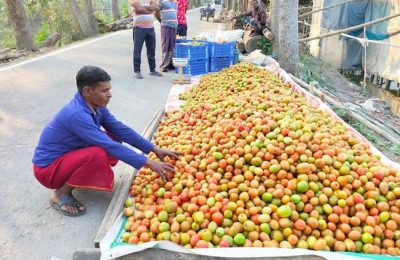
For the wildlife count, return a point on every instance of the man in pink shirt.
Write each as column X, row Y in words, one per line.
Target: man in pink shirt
column 143, row 32
column 182, row 23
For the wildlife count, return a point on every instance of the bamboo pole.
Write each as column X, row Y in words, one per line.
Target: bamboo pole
column 325, row 8
column 350, row 28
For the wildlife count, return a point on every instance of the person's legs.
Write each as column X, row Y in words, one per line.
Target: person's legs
column 139, row 37
column 168, row 36
column 84, row 168
column 171, row 51
column 163, row 65
column 151, row 48
column 182, row 30
column 179, row 30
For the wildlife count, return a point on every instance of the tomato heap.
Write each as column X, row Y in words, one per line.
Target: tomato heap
column 260, row 167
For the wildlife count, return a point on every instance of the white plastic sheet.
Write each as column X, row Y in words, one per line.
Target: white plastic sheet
column 221, row 36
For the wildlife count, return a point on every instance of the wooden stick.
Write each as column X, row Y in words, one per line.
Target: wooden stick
column 350, row 28
column 325, row 8
column 10, row 55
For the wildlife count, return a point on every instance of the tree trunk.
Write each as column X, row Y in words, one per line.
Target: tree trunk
column 35, row 20
column 51, row 40
column 19, row 22
column 237, row 4
column 91, row 17
column 85, row 28
column 241, row 6
column 115, row 10
column 289, row 35
column 248, row 5
column 275, row 27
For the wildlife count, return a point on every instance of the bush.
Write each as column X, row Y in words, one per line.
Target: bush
column 42, row 34
column 102, row 20
column 265, row 45
column 124, row 9
column 7, row 39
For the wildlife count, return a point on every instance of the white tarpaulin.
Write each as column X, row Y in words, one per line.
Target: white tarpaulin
column 348, row 53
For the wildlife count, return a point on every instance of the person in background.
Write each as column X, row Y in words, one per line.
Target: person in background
column 257, row 18
column 143, row 32
column 183, row 6
column 167, row 16
column 75, row 152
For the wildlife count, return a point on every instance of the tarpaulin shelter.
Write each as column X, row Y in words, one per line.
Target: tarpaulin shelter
column 347, row 53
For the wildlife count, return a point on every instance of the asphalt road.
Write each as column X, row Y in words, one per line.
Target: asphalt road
column 31, row 92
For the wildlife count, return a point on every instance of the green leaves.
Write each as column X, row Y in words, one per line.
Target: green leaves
column 265, row 45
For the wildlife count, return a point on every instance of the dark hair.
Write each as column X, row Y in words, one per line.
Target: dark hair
column 90, row 76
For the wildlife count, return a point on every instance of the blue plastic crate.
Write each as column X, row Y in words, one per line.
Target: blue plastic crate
column 236, row 56
column 219, row 63
column 221, row 49
column 196, row 67
column 184, row 50
column 181, row 40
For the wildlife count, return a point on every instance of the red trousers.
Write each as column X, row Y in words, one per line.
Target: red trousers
column 87, row 168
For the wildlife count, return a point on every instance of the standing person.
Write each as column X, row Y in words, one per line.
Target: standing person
column 74, row 152
column 167, row 16
column 183, row 6
column 143, row 31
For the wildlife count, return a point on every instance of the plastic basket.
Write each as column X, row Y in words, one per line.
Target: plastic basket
column 236, row 56
column 196, row 67
column 184, row 50
column 221, row 49
column 219, row 63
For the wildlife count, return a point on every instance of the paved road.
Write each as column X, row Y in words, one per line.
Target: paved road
column 31, row 93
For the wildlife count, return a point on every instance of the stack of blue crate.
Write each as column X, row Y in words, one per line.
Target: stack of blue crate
column 197, row 54
column 222, row 55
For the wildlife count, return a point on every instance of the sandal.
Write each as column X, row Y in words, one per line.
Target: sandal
column 67, row 200
column 77, row 203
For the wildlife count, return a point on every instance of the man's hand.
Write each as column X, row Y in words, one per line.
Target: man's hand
column 162, row 153
column 161, row 168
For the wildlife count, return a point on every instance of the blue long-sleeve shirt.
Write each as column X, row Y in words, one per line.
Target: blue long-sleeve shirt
column 77, row 126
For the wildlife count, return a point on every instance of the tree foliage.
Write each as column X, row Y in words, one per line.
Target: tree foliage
column 50, row 16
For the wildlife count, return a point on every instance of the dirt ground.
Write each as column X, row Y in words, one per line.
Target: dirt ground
column 343, row 89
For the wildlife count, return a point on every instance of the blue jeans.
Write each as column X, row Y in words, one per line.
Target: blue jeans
column 141, row 35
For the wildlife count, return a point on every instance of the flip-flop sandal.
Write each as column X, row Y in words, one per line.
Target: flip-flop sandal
column 78, row 204
column 66, row 200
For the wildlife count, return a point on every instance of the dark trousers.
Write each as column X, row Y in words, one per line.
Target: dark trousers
column 182, row 30
column 141, row 35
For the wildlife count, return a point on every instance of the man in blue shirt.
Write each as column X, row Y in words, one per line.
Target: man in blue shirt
column 74, row 152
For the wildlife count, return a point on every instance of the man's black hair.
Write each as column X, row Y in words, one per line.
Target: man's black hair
column 91, row 76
